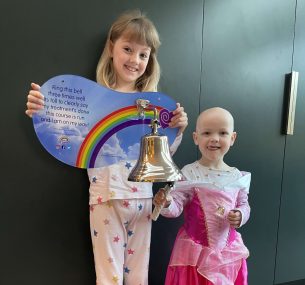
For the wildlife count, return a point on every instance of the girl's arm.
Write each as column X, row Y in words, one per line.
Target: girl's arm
column 240, row 215
column 179, row 120
column 176, row 201
column 243, row 206
column 174, row 146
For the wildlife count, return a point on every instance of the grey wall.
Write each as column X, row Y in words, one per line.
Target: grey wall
column 44, row 217
column 214, row 52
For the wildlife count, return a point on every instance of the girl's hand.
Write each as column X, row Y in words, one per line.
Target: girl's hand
column 160, row 199
column 234, row 218
column 35, row 100
column 179, row 120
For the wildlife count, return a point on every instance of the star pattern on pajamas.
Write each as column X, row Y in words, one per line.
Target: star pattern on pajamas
column 134, row 189
column 116, row 239
column 131, row 251
column 115, row 279
column 128, row 165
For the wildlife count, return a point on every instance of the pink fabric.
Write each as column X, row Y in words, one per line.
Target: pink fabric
column 242, row 277
column 194, row 214
column 185, row 275
column 188, row 275
column 208, row 243
column 232, row 235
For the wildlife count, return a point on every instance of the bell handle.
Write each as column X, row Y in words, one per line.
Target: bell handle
column 157, row 210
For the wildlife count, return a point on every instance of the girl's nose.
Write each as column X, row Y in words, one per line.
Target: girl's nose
column 215, row 138
column 134, row 58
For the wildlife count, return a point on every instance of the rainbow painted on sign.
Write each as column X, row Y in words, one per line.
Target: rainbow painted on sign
column 106, row 128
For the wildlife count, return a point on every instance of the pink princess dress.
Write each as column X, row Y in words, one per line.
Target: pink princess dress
column 207, row 251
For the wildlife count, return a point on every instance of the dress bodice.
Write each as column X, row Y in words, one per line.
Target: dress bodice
column 206, row 216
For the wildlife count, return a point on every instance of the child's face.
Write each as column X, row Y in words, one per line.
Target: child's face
column 130, row 60
column 214, row 135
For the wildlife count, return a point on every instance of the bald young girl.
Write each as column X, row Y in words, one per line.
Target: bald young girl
column 208, row 249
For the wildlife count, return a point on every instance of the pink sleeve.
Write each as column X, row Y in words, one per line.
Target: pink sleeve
column 243, row 206
column 180, row 198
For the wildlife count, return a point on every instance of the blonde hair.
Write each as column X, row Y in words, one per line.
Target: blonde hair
column 135, row 26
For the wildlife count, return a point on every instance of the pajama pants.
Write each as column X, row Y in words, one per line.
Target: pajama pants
column 121, row 232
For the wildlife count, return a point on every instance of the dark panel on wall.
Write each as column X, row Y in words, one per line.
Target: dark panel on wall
column 247, row 48
column 45, row 236
column 298, row 282
column 290, row 263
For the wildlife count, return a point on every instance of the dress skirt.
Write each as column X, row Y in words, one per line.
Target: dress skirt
column 188, row 275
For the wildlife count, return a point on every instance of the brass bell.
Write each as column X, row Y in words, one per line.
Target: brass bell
column 155, row 163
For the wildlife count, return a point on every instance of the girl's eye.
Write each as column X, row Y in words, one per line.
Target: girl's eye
column 224, row 133
column 128, row 49
column 205, row 133
column 144, row 55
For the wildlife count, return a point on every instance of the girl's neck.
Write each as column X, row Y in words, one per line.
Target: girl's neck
column 217, row 165
column 125, row 88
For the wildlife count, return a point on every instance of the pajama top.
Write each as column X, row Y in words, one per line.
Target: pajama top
column 111, row 182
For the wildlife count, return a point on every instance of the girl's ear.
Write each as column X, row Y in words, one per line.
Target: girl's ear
column 233, row 138
column 195, row 138
column 110, row 48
